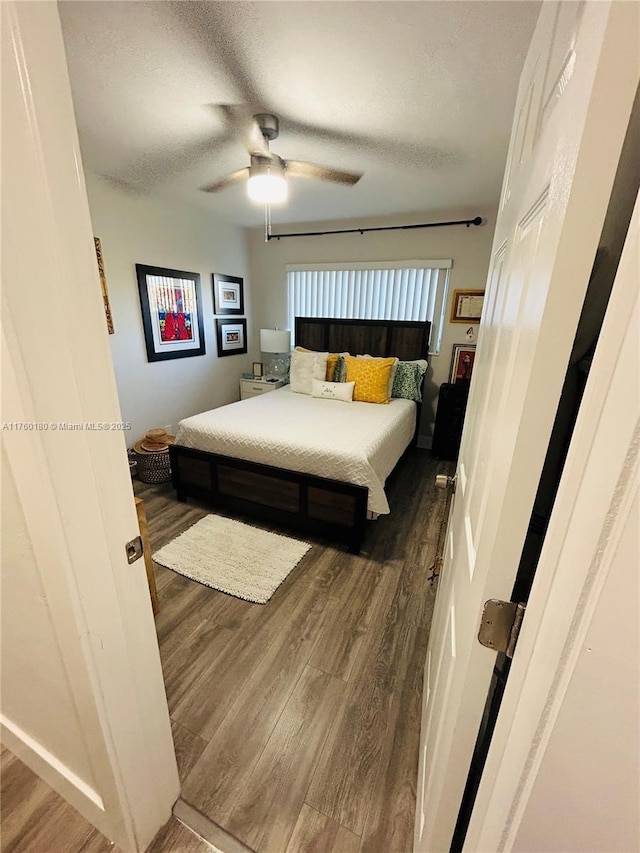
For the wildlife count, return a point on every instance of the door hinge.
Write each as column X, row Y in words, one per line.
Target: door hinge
column 134, row 549
column 500, row 625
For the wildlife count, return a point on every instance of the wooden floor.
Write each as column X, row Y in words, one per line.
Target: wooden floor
column 297, row 723
column 37, row 820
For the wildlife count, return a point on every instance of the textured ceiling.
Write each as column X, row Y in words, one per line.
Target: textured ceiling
column 417, row 95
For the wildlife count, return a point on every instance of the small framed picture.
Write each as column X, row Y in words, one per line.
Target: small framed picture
column 232, row 336
column 466, row 306
column 462, row 362
column 228, row 294
column 258, row 369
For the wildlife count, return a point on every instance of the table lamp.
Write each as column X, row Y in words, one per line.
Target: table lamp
column 276, row 342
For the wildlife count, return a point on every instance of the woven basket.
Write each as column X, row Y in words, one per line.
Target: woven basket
column 154, row 467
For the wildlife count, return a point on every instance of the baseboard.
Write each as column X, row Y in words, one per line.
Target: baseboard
column 55, row 773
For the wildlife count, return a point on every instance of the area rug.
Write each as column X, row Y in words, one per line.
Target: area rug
column 233, row 557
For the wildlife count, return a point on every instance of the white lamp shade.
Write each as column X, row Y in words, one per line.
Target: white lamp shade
column 275, row 340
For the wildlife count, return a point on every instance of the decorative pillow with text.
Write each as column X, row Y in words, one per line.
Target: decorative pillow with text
column 342, row 391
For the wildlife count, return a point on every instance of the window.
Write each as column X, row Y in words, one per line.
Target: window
column 408, row 290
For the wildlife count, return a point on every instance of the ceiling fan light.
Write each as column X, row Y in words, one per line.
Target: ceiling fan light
column 267, row 188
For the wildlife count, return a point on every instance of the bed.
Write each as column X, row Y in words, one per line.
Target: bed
column 331, row 469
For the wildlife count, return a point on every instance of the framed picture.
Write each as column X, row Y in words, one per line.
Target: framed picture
column 171, row 306
column 232, row 336
column 462, row 362
column 228, row 294
column 467, row 306
column 258, row 369
column 103, row 286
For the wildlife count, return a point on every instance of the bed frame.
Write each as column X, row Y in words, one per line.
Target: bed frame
column 329, row 508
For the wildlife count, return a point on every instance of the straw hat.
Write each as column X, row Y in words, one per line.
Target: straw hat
column 155, row 441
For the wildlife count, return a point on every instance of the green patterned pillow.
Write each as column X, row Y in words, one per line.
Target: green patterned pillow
column 408, row 380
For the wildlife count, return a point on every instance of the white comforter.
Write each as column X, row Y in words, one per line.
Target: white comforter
column 353, row 442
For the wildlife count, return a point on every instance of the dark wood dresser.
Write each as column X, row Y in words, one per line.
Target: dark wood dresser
column 452, row 405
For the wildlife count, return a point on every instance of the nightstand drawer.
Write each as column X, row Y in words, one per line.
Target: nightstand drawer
column 253, row 388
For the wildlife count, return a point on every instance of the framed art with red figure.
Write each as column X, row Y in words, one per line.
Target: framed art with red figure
column 462, row 362
column 171, row 312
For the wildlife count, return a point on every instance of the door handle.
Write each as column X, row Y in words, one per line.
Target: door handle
column 444, row 482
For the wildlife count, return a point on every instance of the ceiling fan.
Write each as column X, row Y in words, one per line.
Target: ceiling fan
column 267, row 172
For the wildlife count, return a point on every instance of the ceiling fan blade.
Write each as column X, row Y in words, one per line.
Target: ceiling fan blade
column 403, row 152
column 254, row 141
column 223, row 183
column 241, row 124
column 232, row 114
column 300, row 169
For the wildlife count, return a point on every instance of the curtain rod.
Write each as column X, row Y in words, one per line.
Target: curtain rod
column 467, row 222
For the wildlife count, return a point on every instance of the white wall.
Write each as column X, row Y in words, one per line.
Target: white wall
column 159, row 232
column 468, row 247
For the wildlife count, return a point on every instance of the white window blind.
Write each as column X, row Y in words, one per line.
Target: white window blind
column 412, row 290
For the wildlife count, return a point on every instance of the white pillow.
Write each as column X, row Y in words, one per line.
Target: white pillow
column 342, row 391
column 305, row 367
column 392, row 374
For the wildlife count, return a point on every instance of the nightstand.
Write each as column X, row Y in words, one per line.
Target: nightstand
column 255, row 387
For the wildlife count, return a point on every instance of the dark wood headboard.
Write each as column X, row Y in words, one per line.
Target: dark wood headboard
column 405, row 339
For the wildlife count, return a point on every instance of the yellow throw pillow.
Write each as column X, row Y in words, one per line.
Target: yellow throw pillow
column 332, row 360
column 392, row 375
column 371, row 376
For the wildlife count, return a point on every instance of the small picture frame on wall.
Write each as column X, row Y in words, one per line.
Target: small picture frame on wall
column 228, row 294
column 466, row 306
column 232, row 336
column 462, row 360
column 258, row 369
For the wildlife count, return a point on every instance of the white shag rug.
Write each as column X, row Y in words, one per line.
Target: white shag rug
column 233, row 557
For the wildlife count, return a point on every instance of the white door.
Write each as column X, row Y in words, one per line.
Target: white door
column 567, row 732
column 573, row 106
column 83, row 700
